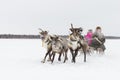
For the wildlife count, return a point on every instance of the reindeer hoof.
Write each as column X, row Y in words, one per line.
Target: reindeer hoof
column 73, row 61
column 66, row 58
column 59, row 59
column 42, row 61
column 48, row 60
column 84, row 60
column 64, row 61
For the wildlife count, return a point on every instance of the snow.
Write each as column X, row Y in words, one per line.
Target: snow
column 20, row 59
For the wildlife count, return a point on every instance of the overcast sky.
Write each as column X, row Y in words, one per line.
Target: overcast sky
column 26, row 16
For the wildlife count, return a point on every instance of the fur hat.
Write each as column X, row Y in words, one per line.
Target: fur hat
column 98, row 27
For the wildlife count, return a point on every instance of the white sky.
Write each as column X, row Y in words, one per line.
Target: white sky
column 26, row 16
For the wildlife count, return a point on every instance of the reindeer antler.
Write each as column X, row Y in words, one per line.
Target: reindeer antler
column 71, row 25
column 40, row 29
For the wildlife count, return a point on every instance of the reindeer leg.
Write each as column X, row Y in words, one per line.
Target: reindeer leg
column 65, row 57
column 43, row 61
column 76, row 52
column 84, row 51
column 53, row 57
column 66, row 54
column 72, row 54
column 49, row 59
column 84, row 56
column 48, row 52
column 59, row 59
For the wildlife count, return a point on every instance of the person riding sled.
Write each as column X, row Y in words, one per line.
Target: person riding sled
column 98, row 39
column 88, row 36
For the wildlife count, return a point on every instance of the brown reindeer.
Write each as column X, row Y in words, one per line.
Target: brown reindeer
column 46, row 42
column 76, row 42
column 59, row 46
column 49, row 42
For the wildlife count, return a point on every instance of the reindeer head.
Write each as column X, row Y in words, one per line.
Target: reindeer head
column 75, row 31
column 56, row 44
column 54, row 38
column 43, row 34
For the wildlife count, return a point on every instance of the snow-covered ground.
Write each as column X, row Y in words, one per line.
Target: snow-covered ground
column 21, row 60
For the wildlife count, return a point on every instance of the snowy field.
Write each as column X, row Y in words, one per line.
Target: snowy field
column 21, row 60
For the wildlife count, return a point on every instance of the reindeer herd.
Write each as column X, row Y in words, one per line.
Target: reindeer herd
column 55, row 44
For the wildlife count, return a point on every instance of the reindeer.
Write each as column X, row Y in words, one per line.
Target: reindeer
column 49, row 42
column 76, row 42
column 87, row 48
column 46, row 42
column 59, row 46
